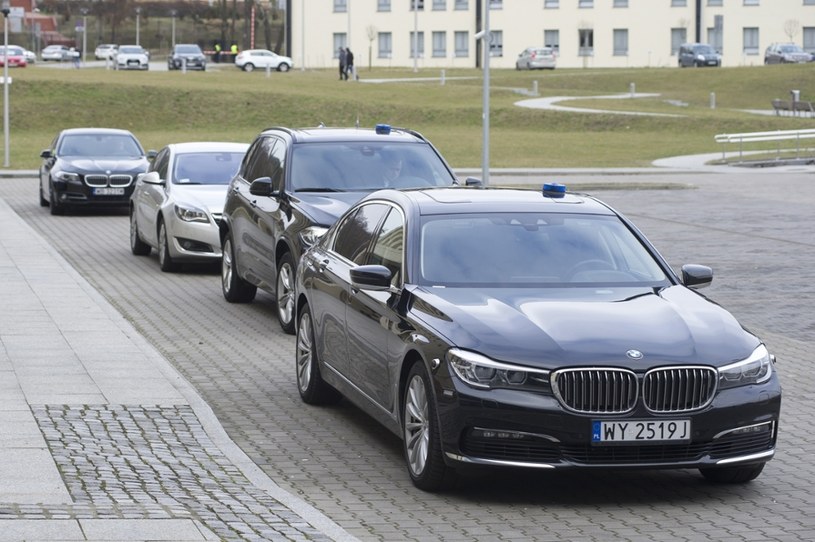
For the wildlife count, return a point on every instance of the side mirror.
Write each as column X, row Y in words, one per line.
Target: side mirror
column 151, row 177
column 262, row 186
column 46, row 153
column 371, row 277
column 696, row 276
column 151, row 154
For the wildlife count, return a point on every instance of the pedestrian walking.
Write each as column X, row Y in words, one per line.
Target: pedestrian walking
column 349, row 63
column 343, row 64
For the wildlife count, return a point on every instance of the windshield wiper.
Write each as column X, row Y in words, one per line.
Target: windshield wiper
column 320, row 189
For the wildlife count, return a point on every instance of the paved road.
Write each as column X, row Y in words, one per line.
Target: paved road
column 755, row 229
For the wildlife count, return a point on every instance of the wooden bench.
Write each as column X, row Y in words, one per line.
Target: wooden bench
column 803, row 107
column 780, row 106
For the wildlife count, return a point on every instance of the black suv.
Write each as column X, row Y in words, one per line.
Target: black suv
column 188, row 53
column 294, row 183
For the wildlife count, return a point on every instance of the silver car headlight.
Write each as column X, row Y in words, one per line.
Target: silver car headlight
column 188, row 213
column 311, row 235
column 482, row 372
column 66, row 176
column 755, row 369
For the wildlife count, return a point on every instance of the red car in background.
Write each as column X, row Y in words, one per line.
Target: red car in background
column 16, row 56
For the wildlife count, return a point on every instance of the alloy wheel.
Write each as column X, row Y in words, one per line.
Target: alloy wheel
column 417, row 431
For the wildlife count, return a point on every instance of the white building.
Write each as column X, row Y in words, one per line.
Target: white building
column 586, row 33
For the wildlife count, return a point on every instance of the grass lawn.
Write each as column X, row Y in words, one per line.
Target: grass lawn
column 227, row 104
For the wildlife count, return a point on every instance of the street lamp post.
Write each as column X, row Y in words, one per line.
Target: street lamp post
column 415, row 35
column 486, row 41
column 173, row 13
column 84, row 34
column 138, row 14
column 5, row 10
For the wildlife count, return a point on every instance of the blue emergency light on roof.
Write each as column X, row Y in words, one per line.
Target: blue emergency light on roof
column 383, row 129
column 554, row 190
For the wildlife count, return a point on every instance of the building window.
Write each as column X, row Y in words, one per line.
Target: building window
column 620, row 3
column 585, row 37
column 439, row 44
column 496, row 4
column 385, row 45
column 383, row 5
column 679, row 3
column 340, row 6
column 809, row 39
column 496, row 43
column 809, row 2
column 620, row 42
column 461, row 5
column 585, row 3
column 439, row 5
column 339, row 41
column 750, row 2
column 678, row 37
column 714, row 2
column 750, row 41
column 416, row 46
column 551, row 4
column 715, row 39
column 417, row 5
column 462, row 44
column 551, row 38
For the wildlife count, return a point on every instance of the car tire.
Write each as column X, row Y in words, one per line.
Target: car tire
column 283, row 67
column 732, row 475
column 43, row 201
column 137, row 246
column 234, row 288
column 284, row 292
column 313, row 389
column 248, row 67
column 56, row 207
column 165, row 260
column 420, row 433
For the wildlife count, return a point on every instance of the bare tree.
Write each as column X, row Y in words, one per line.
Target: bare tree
column 371, row 30
column 791, row 28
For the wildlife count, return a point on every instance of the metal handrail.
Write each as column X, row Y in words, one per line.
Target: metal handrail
column 775, row 135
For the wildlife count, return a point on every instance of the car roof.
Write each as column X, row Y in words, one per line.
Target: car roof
column 323, row 134
column 99, row 131
column 207, row 146
column 463, row 200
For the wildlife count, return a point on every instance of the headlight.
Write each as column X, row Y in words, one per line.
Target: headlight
column 700, row 58
column 65, row 176
column 311, row 235
column 482, row 372
column 190, row 213
column 756, row 369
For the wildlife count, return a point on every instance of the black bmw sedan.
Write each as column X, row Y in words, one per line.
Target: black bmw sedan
column 90, row 167
column 537, row 329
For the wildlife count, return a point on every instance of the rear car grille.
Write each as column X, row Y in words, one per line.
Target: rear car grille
column 99, row 180
column 678, row 389
column 615, row 391
column 602, row 391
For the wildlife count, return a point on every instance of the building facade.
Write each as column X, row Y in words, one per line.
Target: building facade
column 585, row 33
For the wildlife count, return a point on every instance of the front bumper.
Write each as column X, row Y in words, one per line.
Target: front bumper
column 516, row 429
column 193, row 241
column 77, row 193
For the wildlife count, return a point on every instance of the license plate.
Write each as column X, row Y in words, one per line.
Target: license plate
column 108, row 191
column 640, row 431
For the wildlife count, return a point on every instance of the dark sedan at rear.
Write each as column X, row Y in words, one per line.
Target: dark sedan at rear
column 531, row 329
column 90, row 167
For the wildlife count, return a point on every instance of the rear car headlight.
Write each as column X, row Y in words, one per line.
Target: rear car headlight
column 188, row 213
column 311, row 235
column 482, row 372
column 755, row 369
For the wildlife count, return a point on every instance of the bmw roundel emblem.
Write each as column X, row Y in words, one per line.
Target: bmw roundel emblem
column 634, row 354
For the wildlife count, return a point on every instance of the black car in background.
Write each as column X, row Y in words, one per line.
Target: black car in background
column 528, row 329
column 186, row 54
column 90, row 167
column 294, row 183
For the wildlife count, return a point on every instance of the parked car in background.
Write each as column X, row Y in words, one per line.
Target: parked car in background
column 536, row 58
column 188, row 54
column 90, row 167
column 251, row 59
column 785, row 53
column 512, row 329
column 177, row 205
column 30, row 56
column 131, row 57
column 58, row 53
column 105, row 51
column 698, row 55
column 294, row 183
column 16, row 56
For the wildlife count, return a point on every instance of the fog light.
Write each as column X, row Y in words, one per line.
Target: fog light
column 498, row 434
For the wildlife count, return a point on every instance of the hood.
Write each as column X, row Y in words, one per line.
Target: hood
column 325, row 208
column 106, row 165
column 206, row 196
column 585, row 326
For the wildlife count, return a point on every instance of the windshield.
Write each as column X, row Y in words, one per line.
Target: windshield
column 131, row 50
column 357, row 166
column 533, row 249
column 188, row 50
column 206, row 167
column 791, row 49
column 107, row 145
column 704, row 50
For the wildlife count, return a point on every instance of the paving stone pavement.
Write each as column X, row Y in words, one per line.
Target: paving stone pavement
column 754, row 228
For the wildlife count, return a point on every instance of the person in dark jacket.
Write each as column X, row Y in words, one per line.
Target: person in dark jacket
column 343, row 64
column 349, row 64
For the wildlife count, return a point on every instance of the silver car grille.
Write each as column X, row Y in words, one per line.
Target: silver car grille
column 616, row 391
column 678, row 389
column 98, row 180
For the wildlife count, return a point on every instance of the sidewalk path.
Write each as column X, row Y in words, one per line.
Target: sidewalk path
column 100, row 438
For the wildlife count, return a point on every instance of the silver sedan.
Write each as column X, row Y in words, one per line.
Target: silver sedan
column 176, row 206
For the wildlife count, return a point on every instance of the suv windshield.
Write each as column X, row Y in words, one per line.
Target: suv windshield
column 357, row 166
